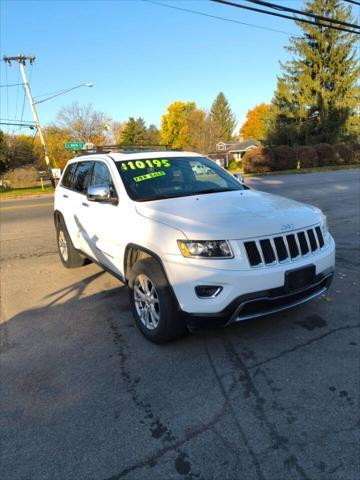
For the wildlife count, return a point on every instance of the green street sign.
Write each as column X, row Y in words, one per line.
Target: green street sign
column 74, row 145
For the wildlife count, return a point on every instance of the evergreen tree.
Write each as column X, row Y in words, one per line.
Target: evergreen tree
column 315, row 100
column 134, row 132
column 223, row 116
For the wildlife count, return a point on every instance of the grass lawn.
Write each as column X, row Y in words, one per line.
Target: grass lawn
column 28, row 192
column 299, row 170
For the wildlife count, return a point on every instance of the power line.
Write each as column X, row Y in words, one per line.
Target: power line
column 304, row 13
column 32, row 127
column 281, row 15
column 11, row 85
column 353, row 2
column 219, row 18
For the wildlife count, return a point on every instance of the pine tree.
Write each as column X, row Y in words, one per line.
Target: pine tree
column 223, row 116
column 315, row 100
column 134, row 132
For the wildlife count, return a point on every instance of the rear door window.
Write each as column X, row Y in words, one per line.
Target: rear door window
column 82, row 177
column 66, row 180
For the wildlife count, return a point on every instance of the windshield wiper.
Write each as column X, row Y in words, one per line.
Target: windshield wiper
column 216, row 190
column 187, row 194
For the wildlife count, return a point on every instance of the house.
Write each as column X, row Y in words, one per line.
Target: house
column 228, row 151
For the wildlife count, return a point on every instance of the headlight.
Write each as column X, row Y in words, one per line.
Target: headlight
column 205, row 248
column 324, row 226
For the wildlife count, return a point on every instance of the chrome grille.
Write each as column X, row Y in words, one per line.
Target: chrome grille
column 284, row 248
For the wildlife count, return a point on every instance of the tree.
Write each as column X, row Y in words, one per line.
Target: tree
column 153, row 135
column 204, row 132
column 115, row 131
column 223, row 116
column 316, row 96
column 175, row 124
column 134, row 132
column 55, row 138
column 255, row 123
column 20, row 151
column 4, row 152
column 84, row 123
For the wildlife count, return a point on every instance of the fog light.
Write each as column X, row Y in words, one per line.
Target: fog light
column 207, row 291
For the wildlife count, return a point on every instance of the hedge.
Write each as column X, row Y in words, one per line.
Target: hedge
column 284, row 157
column 326, row 154
column 307, row 157
column 257, row 160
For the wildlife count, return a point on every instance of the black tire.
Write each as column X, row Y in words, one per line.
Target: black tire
column 73, row 259
column 170, row 325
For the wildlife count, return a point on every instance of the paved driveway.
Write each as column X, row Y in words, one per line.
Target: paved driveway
column 85, row 396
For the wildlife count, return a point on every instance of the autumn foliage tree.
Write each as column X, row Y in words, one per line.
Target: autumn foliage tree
column 175, row 129
column 254, row 127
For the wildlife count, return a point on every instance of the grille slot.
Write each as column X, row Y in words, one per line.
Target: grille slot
column 253, row 254
column 312, row 239
column 320, row 236
column 280, row 249
column 267, row 250
column 303, row 243
column 293, row 248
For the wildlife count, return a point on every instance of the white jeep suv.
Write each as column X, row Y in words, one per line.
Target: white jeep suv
column 193, row 244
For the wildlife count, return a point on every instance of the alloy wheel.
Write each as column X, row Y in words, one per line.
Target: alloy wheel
column 146, row 302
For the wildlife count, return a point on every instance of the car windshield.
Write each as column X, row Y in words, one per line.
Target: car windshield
column 169, row 177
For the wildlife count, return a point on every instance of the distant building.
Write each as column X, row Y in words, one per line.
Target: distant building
column 228, row 151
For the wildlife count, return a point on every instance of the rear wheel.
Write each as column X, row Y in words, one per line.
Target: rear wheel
column 69, row 256
column 152, row 302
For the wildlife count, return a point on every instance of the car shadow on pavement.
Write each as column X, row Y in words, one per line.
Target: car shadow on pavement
column 84, row 395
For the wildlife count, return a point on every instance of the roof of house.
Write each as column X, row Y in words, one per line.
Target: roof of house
column 238, row 146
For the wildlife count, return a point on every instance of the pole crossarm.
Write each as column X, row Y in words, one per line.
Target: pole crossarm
column 20, row 59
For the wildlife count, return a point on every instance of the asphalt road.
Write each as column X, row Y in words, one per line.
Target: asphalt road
column 85, row 396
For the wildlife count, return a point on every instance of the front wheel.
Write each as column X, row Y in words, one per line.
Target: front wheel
column 152, row 302
column 69, row 256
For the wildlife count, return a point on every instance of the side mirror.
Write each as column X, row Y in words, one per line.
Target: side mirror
column 100, row 193
column 239, row 178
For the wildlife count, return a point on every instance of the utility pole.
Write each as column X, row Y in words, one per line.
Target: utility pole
column 21, row 59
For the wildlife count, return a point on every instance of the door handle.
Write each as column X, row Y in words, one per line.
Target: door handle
column 85, row 204
column 65, row 196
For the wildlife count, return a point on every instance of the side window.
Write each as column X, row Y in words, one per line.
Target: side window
column 66, row 180
column 82, row 176
column 102, row 176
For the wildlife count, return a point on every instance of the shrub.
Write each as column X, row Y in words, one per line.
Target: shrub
column 234, row 165
column 326, row 154
column 257, row 160
column 307, row 157
column 25, row 176
column 355, row 148
column 284, row 158
column 343, row 154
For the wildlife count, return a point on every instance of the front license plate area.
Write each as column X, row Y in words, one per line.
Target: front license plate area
column 299, row 278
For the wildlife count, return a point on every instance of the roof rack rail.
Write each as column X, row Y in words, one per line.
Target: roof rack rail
column 91, row 149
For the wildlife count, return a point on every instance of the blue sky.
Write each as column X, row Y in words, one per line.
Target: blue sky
column 140, row 56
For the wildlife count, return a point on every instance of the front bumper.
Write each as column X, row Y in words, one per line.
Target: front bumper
column 249, row 292
column 261, row 303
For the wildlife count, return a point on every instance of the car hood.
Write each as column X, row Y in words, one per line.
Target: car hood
column 231, row 215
